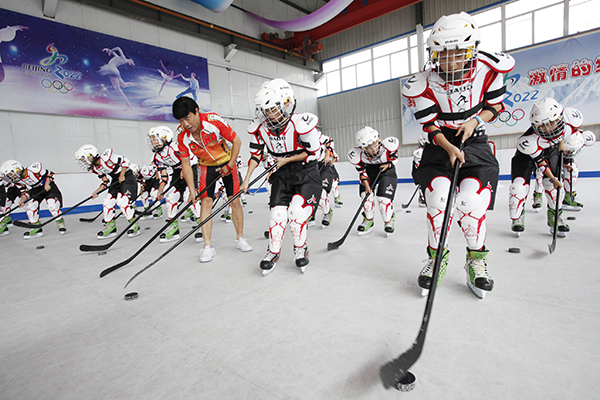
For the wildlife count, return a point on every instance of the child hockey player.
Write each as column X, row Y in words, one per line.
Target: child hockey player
column 539, row 148
column 39, row 185
column 574, row 143
column 115, row 174
column 454, row 97
column 9, row 193
column 148, row 178
column 293, row 141
column 375, row 157
column 166, row 155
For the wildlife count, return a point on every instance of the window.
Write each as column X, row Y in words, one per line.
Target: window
column 525, row 22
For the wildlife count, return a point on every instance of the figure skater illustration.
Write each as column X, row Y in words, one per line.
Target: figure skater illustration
column 167, row 76
column 193, row 89
column 7, row 34
column 111, row 69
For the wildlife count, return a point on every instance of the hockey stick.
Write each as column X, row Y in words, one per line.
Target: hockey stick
column 157, row 234
column 392, row 372
column 13, row 209
column 338, row 243
column 201, row 224
column 257, row 189
column 91, row 219
column 552, row 246
column 31, row 226
column 411, row 197
column 148, row 210
column 571, row 182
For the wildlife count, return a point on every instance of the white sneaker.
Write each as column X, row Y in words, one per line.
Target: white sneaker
column 207, row 254
column 243, row 245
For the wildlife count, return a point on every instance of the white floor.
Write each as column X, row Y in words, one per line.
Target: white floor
column 221, row 330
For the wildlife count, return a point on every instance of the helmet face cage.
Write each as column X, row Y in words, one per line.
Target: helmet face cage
column 159, row 137
column 452, row 47
column 273, row 108
column 135, row 169
column 547, row 118
column 368, row 140
column 86, row 156
column 13, row 170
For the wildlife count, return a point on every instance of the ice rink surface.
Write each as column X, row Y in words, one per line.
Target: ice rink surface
column 221, row 330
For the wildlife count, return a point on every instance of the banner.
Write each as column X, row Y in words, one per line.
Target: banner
column 567, row 70
column 48, row 67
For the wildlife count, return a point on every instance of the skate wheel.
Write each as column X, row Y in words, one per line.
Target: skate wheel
column 406, row 383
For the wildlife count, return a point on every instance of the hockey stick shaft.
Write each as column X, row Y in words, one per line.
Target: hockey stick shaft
column 552, row 246
column 338, row 243
column 29, row 225
column 13, row 209
column 411, row 197
column 155, row 203
column 157, row 234
column 201, row 224
column 396, row 369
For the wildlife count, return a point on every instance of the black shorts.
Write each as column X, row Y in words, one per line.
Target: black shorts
column 38, row 193
column 523, row 165
column 150, row 184
column 127, row 188
column 388, row 180
column 296, row 178
column 327, row 175
column 480, row 163
column 208, row 176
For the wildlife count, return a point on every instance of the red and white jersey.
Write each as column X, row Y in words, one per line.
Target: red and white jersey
column 388, row 152
column 214, row 147
column 35, row 175
column 447, row 105
column 535, row 146
column 300, row 134
column 110, row 163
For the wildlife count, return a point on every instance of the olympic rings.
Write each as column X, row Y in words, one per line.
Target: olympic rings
column 56, row 86
column 509, row 118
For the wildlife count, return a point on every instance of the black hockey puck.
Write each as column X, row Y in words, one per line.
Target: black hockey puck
column 39, row 247
column 407, row 382
column 101, row 253
column 266, row 234
column 408, row 211
column 131, row 296
column 571, row 218
column 515, row 250
column 147, row 228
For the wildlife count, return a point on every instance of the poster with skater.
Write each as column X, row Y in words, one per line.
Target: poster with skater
column 49, row 67
column 567, row 70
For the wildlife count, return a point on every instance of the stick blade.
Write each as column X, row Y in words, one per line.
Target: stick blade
column 552, row 246
column 86, row 219
column 391, row 372
column 334, row 245
column 22, row 224
column 91, row 247
column 114, row 268
column 404, row 205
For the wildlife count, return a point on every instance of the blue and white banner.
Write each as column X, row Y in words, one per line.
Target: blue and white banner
column 567, row 70
column 48, row 67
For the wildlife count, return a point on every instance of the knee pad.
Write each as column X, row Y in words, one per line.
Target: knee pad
column 324, row 202
column 53, row 206
column 32, row 211
column 124, row 204
column 437, row 192
column 386, row 208
column 277, row 222
column 172, row 196
column 517, row 193
column 369, row 205
column 298, row 214
column 472, row 198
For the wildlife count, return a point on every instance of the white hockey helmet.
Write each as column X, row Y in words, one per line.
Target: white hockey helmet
column 86, row 155
column 158, row 137
column 574, row 143
column 135, row 169
column 275, row 103
column 589, row 137
column 12, row 170
column 148, row 171
column 368, row 140
column 547, row 119
column 453, row 45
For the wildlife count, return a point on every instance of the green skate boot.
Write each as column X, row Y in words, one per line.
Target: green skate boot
column 562, row 227
column 426, row 275
column 518, row 225
column 390, row 226
column 537, row 201
column 327, row 219
column 60, row 223
column 570, row 204
column 4, row 225
column 172, row 232
column 365, row 227
column 478, row 279
column 110, row 230
column 134, row 230
column 34, row 233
